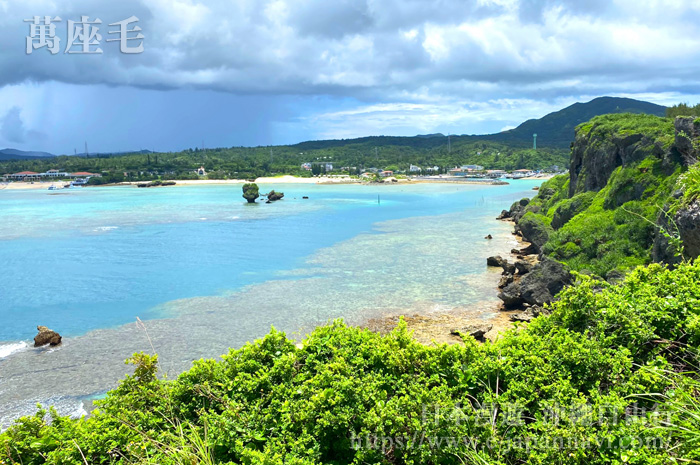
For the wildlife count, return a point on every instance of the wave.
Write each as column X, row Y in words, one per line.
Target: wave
column 8, row 349
column 106, row 228
column 73, row 407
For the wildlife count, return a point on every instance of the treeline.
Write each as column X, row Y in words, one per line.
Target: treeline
column 683, row 109
column 351, row 156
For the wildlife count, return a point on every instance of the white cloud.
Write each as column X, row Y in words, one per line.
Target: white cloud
column 370, row 49
column 405, row 64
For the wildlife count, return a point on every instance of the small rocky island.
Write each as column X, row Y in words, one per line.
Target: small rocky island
column 273, row 196
column 46, row 336
column 250, row 192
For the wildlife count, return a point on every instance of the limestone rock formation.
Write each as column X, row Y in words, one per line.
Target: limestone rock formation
column 539, row 286
column 273, row 196
column 46, row 336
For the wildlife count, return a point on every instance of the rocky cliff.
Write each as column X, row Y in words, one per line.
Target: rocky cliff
column 632, row 196
column 603, row 145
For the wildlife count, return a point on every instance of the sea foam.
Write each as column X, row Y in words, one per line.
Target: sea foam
column 8, row 349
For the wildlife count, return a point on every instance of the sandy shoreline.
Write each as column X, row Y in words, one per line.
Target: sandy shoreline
column 438, row 328
column 38, row 185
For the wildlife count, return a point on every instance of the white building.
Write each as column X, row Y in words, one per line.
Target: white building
column 414, row 169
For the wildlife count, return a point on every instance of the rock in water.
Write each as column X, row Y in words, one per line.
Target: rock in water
column 489, row 237
column 273, row 196
column 250, row 192
column 46, row 336
column 496, row 260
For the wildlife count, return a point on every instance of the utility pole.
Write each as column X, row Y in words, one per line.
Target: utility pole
column 534, row 142
column 449, row 143
column 271, row 157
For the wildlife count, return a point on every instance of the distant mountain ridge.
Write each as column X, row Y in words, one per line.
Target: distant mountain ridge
column 557, row 129
column 14, row 154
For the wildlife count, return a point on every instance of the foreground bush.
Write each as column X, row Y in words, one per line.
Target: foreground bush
column 604, row 379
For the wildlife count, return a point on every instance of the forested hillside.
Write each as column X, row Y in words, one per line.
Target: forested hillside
column 394, row 153
column 508, row 150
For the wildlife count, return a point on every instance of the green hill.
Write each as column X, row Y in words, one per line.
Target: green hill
column 628, row 198
column 507, row 150
column 557, row 129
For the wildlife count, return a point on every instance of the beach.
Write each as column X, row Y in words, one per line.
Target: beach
column 287, row 179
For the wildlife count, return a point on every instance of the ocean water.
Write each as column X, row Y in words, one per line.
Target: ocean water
column 205, row 272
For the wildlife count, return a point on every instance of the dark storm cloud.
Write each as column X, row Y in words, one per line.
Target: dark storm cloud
column 413, row 62
column 366, row 49
column 11, row 126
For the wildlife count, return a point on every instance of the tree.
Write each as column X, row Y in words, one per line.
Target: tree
column 250, row 192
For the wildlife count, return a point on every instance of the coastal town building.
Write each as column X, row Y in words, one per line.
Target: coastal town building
column 201, row 171
column 50, row 174
column 386, row 174
column 466, row 170
column 306, row 166
column 523, row 173
column 414, row 169
column 495, row 174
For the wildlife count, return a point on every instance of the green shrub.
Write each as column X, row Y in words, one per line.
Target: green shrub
column 604, row 351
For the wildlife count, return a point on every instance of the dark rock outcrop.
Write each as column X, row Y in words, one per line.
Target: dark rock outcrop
column 523, row 267
column 273, row 196
column 686, row 224
column 595, row 157
column 516, row 211
column 476, row 331
column 488, row 237
column 46, row 336
column 505, row 280
column 687, row 136
column 688, row 221
column 539, row 286
column 508, row 268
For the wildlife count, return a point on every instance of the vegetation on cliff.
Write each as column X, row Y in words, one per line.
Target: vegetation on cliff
column 605, row 215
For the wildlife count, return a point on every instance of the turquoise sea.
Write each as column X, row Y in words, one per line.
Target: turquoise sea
column 205, row 271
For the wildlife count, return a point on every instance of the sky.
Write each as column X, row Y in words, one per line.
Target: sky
column 221, row 73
